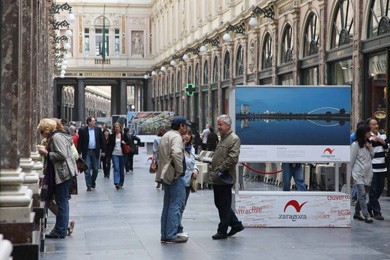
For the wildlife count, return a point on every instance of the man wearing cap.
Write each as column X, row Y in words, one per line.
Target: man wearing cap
column 171, row 167
column 223, row 176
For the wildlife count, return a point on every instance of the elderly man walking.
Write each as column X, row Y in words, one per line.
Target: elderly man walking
column 223, row 176
column 171, row 167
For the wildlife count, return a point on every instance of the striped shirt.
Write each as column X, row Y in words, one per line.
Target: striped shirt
column 378, row 161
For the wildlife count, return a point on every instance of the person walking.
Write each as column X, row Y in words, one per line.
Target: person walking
column 291, row 170
column 91, row 144
column 380, row 146
column 134, row 143
column 115, row 149
column 106, row 159
column 171, row 168
column 191, row 172
column 60, row 169
column 361, row 167
column 212, row 140
column 223, row 176
column 204, row 136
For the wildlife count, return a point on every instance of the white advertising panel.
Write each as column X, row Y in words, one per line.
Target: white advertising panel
column 293, row 209
column 292, row 123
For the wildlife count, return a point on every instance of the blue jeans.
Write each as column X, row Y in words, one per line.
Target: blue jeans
column 361, row 203
column 293, row 170
column 92, row 161
column 174, row 197
column 62, row 201
column 118, row 161
column 188, row 190
column 376, row 189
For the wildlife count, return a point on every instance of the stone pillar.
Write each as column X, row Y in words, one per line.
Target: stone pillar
column 79, row 101
column 123, row 97
column 322, row 69
column 25, row 99
column 15, row 201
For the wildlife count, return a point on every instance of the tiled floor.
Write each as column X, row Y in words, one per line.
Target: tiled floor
column 124, row 224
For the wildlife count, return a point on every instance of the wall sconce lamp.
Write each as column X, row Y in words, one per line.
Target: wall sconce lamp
column 239, row 28
column 56, row 25
column 68, row 33
column 212, row 41
column 57, row 39
column 163, row 69
column 71, row 18
column 55, row 9
column 146, row 76
column 185, row 57
column 67, row 46
column 153, row 73
column 173, row 63
column 268, row 11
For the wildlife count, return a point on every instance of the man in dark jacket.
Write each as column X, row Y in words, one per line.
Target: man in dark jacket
column 212, row 140
column 91, row 144
column 223, row 176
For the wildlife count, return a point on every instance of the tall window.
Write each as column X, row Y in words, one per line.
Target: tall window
column 86, row 41
column 197, row 81
column 287, row 45
column 312, row 35
column 178, row 82
column 206, row 72
column 215, row 70
column 342, row 31
column 379, row 22
column 226, row 66
column 266, row 61
column 189, row 75
column 172, row 84
column 117, row 43
column 240, row 62
column 99, row 42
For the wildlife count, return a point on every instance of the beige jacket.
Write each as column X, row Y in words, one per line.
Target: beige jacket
column 170, row 157
column 225, row 157
column 61, row 155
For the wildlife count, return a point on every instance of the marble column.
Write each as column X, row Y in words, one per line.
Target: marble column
column 25, row 98
column 15, row 199
column 79, row 101
column 123, row 97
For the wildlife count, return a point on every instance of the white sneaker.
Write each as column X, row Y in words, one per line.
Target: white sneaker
column 184, row 234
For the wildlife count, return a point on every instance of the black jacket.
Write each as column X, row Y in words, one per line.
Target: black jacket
column 111, row 142
column 82, row 146
column 134, row 146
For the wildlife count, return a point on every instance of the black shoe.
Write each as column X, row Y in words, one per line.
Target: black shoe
column 52, row 235
column 235, row 230
column 89, row 189
column 117, row 186
column 370, row 211
column 175, row 240
column 93, row 186
column 358, row 217
column 219, row 236
column 378, row 217
column 368, row 220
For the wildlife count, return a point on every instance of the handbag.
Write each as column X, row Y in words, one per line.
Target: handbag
column 126, row 148
column 73, row 186
column 81, row 164
column 153, row 167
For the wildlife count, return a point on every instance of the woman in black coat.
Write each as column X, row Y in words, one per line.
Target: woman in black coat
column 134, row 150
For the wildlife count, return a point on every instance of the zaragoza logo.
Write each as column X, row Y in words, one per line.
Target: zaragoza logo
column 294, row 204
column 328, row 150
column 293, row 217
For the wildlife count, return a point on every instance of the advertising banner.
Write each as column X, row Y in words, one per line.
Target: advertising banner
column 292, row 123
column 293, row 209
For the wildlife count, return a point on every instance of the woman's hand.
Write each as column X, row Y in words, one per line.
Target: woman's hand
column 123, row 142
column 195, row 174
column 43, row 152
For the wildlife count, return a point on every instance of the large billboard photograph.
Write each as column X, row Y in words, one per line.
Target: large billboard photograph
column 147, row 123
column 291, row 122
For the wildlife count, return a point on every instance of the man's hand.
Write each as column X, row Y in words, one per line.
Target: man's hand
column 103, row 154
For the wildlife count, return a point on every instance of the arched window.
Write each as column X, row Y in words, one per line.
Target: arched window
column 287, row 44
column 266, row 61
column 172, row 84
column 312, row 35
column 215, row 70
column 189, row 75
column 240, row 62
column 342, row 31
column 206, row 72
column 197, row 81
column 226, row 66
column 379, row 22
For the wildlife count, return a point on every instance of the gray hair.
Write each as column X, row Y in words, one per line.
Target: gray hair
column 225, row 118
column 72, row 129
